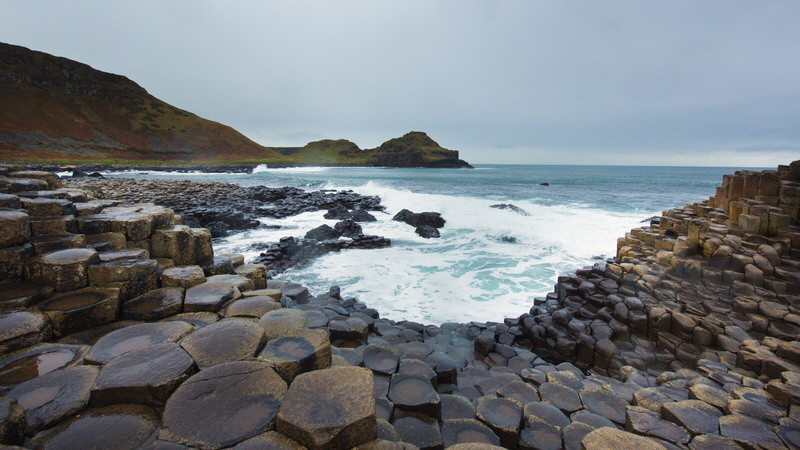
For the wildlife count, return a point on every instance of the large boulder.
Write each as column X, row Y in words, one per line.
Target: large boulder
column 432, row 219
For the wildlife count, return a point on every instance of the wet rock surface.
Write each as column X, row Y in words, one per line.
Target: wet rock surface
column 687, row 339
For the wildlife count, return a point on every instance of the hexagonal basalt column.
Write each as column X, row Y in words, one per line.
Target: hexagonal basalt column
column 116, row 426
column 223, row 405
column 184, row 245
column 148, row 376
column 330, row 408
column 184, row 277
column 301, row 352
column 227, row 340
column 78, row 310
column 136, row 337
column 20, row 329
column 48, row 177
column 14, row 228
column 132, row 276
column 64, row 270
column 154, row 305
column 38, row 360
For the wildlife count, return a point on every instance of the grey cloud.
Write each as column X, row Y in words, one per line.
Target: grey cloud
column 561, row 79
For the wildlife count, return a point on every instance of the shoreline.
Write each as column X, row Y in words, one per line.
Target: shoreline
column 637, row 352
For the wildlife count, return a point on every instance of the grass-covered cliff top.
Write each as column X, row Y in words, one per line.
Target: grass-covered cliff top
column 59, row 110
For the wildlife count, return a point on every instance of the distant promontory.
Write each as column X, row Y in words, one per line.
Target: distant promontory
column 56, row 110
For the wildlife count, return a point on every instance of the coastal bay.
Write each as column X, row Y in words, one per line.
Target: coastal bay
column 685, row 336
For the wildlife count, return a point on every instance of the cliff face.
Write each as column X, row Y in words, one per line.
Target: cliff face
column 414, row 149
column 56, row 108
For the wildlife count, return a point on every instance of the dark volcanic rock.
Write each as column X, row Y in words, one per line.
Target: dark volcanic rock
column 223, row 405
column 432, row 219
column 323, row 233
column 510, row 207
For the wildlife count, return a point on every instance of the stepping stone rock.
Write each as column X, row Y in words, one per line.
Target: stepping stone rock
column 92, row 335
column 561, row 396
column 136, row 337
column 543, row 412
column 696, row 416
column 12, row 422
column 82, row 309
column 611, row 438
column 651, row 398
column 415, row 367
column 227, row 340
column 540, row 436
column 303, row 351
column 196, row 319
column 38, row 360
column 415, row 394
column 54, row 243
column 296, row 292
column 759, row 411
column 15, row 228
column 257, row 273
column 712, row 395
column 566, row 378
column 348, row 329
column 502, row 415
column 283, row 322
column 604, row 403
column 42, row 207
column 117, row 426
column 269, row 440
column 154, row 305
column 21, row 295
column 64, row 270
column 573, row 434
column 644, row 422
column 22, row 329
column 241, row 283
column 48, row 178
column 749, row 432
column 251, row 307
column 133, row 277
column 223, row 405
column 330, row 408
column 54, row 396
column 381, row 359
column 183, row 277
column 274, row 293
column 147, row 376
column 209, row 297
column 713, row 442
column 461, row 431
column 592, row 419
column 186, row 246
column 520, row 391
column 14, row 262
column 421, row 431
column 456, row 407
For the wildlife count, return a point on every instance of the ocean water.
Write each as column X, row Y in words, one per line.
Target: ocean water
column 489, row 263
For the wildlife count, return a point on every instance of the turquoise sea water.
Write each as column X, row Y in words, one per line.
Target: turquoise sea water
column 489, row 263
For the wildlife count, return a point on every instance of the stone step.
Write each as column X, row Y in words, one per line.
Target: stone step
column 48, row 177
column 12, row 185
column 56, row 242
column 64, row 270
column 20, row 295
column 133, row 276
column 46, row 226
column 14, row 228
column 81, row 309
column 183, row 245
column 106, row 242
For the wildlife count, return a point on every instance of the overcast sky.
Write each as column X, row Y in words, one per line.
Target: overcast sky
column 551, row 82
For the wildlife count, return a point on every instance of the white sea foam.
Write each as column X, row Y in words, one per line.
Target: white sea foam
column 488, row 264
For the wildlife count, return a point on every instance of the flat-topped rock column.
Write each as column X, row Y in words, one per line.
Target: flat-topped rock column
column 183, row 245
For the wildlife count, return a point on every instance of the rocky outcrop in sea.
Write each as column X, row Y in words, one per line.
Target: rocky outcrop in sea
column 122, row 328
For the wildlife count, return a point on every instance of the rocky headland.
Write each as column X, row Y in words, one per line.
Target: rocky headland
column 121, row 328
column 56, row 110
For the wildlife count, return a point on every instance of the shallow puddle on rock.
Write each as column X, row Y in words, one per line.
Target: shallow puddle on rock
column 38, row 397
column 33, row 366
column 74, row 301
